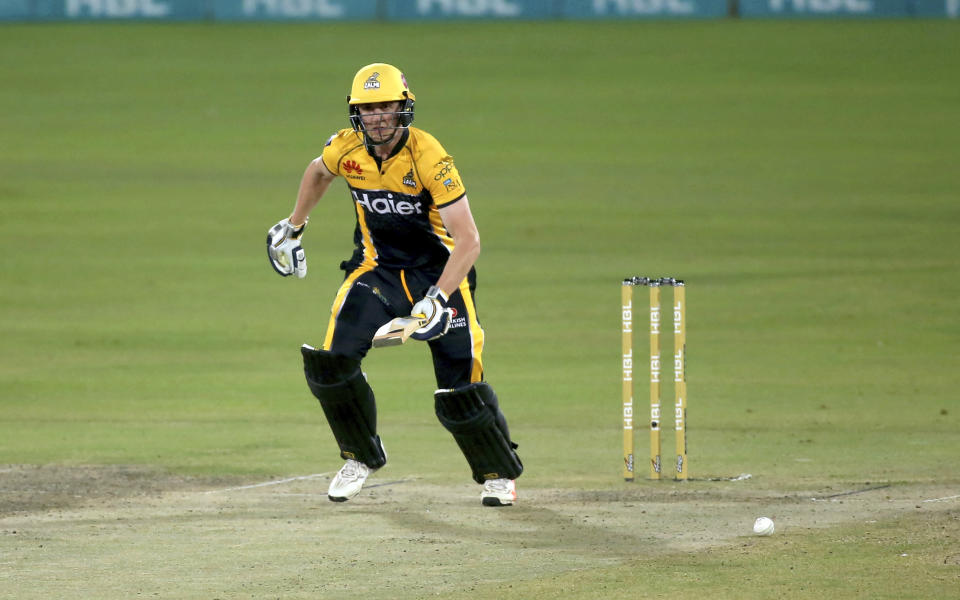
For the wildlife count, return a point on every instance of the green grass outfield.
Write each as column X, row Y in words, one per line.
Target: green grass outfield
column 804, row 178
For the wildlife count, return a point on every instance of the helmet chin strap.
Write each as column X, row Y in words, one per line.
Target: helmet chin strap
column 369, row 140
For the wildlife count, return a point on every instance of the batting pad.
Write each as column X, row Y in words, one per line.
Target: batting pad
column 472, row 415
column 347, row 402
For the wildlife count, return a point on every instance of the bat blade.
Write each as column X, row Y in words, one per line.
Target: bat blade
column 397, row 331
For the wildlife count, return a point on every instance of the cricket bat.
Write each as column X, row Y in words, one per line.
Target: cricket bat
column 397, row 331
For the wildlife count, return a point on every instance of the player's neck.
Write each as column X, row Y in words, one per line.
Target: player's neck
column 385, row 151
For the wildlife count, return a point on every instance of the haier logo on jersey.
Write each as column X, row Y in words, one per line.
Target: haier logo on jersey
column 387, row 205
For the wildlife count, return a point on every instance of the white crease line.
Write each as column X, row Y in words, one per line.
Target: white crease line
column 266, row 483
column 943, row 499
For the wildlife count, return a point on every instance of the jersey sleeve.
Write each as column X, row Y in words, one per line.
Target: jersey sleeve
column 439, row 173
column 337, row 146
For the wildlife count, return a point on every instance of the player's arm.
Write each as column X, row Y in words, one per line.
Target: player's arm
column 314, row 183
column 458, row 220
column 283, row 240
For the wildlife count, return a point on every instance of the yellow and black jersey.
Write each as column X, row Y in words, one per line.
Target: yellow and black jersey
column 397, row 200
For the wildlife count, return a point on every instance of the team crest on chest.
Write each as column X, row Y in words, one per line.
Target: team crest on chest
column 409, row 180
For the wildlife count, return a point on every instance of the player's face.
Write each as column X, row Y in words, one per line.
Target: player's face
column 380, row 119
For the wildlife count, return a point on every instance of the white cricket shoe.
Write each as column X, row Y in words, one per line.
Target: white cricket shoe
column 348, row 481
column 499, row 492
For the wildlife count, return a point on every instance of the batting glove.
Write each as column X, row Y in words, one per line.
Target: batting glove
column 284, row 250
column 434, row 309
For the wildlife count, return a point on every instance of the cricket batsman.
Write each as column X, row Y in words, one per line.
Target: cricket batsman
column 415, row 248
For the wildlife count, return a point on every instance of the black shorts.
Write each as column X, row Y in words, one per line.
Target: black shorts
column 371, row 296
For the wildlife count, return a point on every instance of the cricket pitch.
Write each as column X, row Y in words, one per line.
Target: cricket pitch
column 116, row 532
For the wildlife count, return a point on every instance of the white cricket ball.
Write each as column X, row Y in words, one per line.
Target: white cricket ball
column 763, row 526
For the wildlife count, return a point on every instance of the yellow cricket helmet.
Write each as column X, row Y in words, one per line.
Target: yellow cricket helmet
column 380, row 82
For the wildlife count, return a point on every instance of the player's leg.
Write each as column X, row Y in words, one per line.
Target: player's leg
column 349, row 405
column 468, row 407
column 334, row 376
column 472, row 415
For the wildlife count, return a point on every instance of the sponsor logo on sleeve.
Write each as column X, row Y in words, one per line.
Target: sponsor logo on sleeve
column 444, row 166
column 446, row 174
